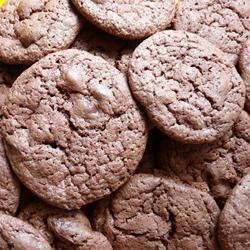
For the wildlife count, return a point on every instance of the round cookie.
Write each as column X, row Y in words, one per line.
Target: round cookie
column 128, row 19
column 62, row 229
column 16, row 234
column 36, row 214
column 186, row 85
column 244, row 65
column 150, row 212
column 76, row 233
column 31, row 29
column 234, row 222
column 74, row 133
column 225, row 23
column 214, row 168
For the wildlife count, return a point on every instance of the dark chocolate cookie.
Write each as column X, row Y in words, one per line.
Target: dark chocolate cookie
column 187, row 86
column 17, row 234
column 128, row 19
column 234, row 222
column 155, row 213
column 244, row 64
column 31, row 29
column 214, row 168
column 74, row 134
column 225, row 23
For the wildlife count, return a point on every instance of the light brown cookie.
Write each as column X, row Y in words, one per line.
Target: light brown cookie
column 186, row 85
column 244, row 65
column 31, row 29
column 17, row 234
column 128, row 19
column 150, row 212
column 74, row 133
column 234, row 222
column 225, row 23
column 215, row 168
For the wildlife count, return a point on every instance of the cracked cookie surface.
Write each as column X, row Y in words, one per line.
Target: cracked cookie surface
column 150, row 212
column 31, row 29
column 74, row 133
column 225, row 23
column 17, row 234
column 187, row 86
column 128, row 19
column 214, row 168
column 234, row 220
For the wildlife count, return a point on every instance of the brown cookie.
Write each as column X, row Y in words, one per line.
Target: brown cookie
column 244, row 64
column 155, row 213
column 114, row 50
column 225, row 23
column 73, row 132
column 31, row 29
column 128, row 19
column 36, row 214
column 214, row 168
column 62, row 229
column 234, row 222
column 187, row 86
column 76, row 232
column 17, row 234
column 9, row 185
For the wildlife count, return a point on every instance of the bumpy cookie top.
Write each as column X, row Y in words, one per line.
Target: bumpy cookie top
column 131, row 19
column 244, row 64
column 187, row 86
column 16, row 234
column 73, row 132
column 225, row 23
column 234, row 220
column 213, row 167
column 154, row 213
column 31, row 29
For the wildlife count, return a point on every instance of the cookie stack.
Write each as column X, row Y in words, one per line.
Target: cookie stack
column 125, row 124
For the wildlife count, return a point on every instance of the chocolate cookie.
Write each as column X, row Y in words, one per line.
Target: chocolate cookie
column 36, row 214
column 76, row 233
column 9, row 185
column 16, row 234
column 225, row 23
column 31, row 29
column 244, row 64
column 234, row 222
column 214, row 168
column 128, row 19
column 60, row 228
column 186, row 85
column 73, row 132
column 155, row 213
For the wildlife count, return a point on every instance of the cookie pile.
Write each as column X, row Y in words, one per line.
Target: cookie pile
column 125, row 124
